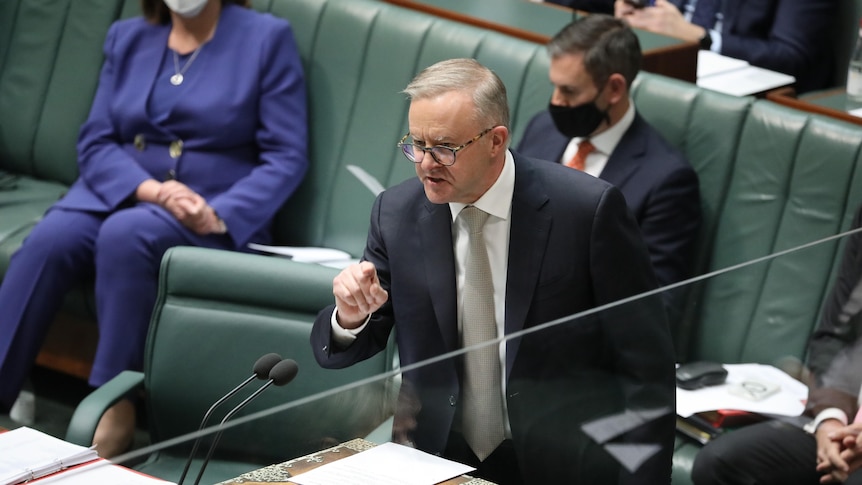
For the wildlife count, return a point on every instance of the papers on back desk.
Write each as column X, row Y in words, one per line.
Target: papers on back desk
column 788, row 401
column 736, row 77
column 324, row 256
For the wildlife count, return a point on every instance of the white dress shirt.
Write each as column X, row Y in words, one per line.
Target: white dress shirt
column 605, row 142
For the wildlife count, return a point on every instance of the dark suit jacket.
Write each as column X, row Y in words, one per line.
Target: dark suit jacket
column 789, row 36
column 243, row 130
column 659, row 185
column 573, row 247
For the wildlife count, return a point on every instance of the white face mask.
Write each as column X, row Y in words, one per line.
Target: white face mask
column 186, row 8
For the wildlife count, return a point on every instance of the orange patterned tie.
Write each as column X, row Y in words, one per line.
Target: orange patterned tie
column 580, row 158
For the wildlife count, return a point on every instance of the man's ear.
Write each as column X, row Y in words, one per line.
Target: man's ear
column 499, row 139
column 617, row 88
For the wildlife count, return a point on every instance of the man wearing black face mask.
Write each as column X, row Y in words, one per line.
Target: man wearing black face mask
column 591, row 124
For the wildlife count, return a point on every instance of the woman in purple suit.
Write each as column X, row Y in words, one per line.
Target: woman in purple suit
column 197, row 135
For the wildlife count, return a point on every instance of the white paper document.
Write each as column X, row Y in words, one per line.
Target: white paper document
column 789, row 400
column 387, row 464
column 305, row 254
column 745, row 81
column 99, row 472
column 710, row 63
column 26, row 454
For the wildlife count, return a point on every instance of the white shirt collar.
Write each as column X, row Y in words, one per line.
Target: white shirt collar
column 606, row 141
column 497, row 200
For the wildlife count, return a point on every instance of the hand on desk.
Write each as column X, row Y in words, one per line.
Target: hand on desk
column 357, row 294
column 662, row 18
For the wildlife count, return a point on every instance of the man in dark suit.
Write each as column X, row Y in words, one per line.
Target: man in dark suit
column 556, row 242
column 788, row 36
column 828, row 446
column 594, row 60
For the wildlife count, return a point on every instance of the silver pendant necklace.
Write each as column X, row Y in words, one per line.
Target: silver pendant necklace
column 177, row 78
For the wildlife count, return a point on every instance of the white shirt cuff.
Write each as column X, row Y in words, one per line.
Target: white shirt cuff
column 716, row 41
column 343, row 336
column 828, row 413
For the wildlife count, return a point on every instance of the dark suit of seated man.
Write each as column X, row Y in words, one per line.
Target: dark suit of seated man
column 594, row 60
column 554, row 242
column 789, row 36
column 828, row 449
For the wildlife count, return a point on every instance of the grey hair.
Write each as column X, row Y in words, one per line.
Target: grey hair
column 469, row 76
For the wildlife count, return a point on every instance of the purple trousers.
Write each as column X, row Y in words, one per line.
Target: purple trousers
column 122, row 250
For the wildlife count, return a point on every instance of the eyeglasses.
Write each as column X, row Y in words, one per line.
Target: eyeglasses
column 441, row 154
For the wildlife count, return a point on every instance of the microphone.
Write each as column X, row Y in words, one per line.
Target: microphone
column 261, row 370
column 281, row 374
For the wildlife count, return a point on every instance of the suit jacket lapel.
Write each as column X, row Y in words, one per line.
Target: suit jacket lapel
column 435, row 232
column 625, row 160
column 150, row 57
column 528, row 235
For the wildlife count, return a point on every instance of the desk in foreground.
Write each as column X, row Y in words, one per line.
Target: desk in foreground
column 281, row 473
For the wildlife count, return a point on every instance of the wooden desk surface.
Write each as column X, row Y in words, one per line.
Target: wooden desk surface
column 280, row 473
column 539, row 22
column 831, row 102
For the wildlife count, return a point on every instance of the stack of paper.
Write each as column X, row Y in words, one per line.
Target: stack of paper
column 325, row 256
column 27, row 454
column 737, row 77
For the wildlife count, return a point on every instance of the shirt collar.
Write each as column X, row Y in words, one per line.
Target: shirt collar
column 497, row 200
column 606, row 141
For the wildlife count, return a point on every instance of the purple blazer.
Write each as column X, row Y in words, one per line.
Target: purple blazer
column 242, row 122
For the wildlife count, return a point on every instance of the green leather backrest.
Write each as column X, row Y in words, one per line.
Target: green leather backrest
column 50, row 54
column 212, row 322
column 793, row 184
column 358, row 55
column 772, row 178
column 706, row 126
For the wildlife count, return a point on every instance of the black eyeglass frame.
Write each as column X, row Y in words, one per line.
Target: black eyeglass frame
column 411, row 147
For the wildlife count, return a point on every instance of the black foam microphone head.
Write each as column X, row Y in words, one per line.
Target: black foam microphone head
column 284, row 372
column 264, row 365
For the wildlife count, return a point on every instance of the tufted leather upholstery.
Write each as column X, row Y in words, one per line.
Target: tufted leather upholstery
column 771, row 177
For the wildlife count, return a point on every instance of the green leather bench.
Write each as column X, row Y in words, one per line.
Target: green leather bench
column 771, row 177
column 50, row 55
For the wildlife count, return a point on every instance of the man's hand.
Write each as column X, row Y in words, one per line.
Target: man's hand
column 850, row 443
column 830, row 463
column 357, row 294
column 663, row 18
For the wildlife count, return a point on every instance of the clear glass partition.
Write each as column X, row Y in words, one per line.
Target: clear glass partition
column 590, row 398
